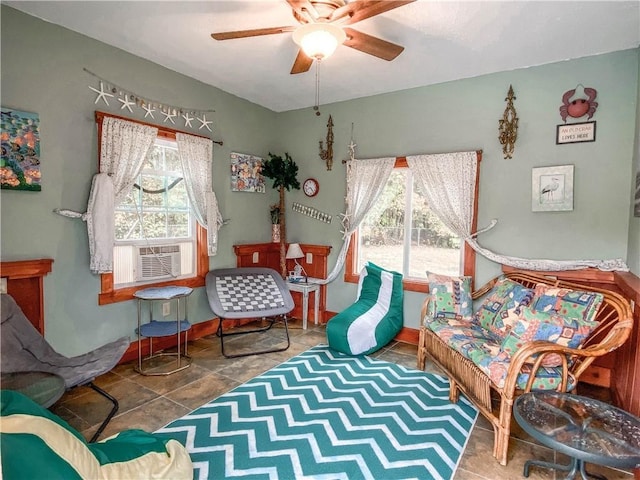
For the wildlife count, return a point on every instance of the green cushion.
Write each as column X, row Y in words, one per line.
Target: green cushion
column 35, row 443
column 374, row 319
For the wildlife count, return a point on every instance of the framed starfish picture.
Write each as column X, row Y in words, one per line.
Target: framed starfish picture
column 552, row 189
column 20, row 160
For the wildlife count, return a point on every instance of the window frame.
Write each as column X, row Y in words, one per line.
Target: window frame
column 108, row 293
column 351, row 275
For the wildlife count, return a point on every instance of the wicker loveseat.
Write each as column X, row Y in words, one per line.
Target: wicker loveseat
column 473, row 355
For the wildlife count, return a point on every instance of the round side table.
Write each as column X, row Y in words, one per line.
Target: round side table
column 586, row 430
column 163, row 328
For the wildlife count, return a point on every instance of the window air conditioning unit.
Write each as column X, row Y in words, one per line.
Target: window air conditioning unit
column 162, row 261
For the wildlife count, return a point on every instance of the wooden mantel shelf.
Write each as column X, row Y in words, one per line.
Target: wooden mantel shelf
column 25, row 284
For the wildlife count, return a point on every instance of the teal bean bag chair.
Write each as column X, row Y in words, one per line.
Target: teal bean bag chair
column 36, row 444
column 374, row 319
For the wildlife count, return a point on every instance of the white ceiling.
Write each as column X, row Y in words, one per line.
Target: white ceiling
column 443, row 40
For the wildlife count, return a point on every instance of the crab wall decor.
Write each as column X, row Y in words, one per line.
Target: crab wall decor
column 578, row 102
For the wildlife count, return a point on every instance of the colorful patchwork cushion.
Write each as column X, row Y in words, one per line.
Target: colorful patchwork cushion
column 536, row 325
column 501, row 308
column 451, row 295
column 465, row 337
column 566, row 302
column 35, row 443
column 547, row 378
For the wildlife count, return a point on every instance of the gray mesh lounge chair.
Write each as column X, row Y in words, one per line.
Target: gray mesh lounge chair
column 23, row 349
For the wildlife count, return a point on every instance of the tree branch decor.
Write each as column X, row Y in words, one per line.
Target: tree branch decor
column 284, row 173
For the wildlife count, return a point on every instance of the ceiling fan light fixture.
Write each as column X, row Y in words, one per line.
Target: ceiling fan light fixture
column 319, row 40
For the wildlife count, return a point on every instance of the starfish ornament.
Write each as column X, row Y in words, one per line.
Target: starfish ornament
column 149, row 110
column 169, row 115
column 101, row 94
column 187, row 119
column 352, row 150
column 204, row 122
column 126, row 103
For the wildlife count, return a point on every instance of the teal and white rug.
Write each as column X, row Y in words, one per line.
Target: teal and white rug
column 326, row 415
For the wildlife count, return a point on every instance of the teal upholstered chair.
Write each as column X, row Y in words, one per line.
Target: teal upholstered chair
column 35, row 443
column 374, row 319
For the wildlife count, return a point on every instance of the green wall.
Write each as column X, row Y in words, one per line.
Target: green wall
column 633, row 255
column 42, row 71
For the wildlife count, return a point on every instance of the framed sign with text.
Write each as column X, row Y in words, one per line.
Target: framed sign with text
column 576, row 133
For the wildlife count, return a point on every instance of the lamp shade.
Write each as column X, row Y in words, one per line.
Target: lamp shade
column 319, row 40
column 294, row 251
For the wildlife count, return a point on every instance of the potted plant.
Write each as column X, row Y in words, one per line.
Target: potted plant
column 284, row 173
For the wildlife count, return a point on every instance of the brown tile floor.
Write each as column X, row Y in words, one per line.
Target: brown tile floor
column 150, row 402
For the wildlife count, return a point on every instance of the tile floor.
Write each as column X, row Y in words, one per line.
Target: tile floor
column 150, row 402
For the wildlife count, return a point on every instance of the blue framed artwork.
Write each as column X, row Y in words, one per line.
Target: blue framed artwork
column 20, row 160
column 246, row 173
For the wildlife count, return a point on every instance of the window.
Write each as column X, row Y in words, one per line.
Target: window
column 401, row 233
column 162, row 236
column 155, row 230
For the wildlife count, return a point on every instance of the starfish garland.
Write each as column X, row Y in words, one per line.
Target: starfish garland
column 187, row 119
column 149, row 110
column 126, row 103
column 168, row 115
column 204, row 123
column 101, row 94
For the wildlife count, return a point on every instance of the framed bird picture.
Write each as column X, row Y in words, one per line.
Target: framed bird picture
column 552, row 189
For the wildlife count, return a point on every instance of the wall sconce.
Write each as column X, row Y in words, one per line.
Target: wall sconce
column 508, row 126
column 327, row 155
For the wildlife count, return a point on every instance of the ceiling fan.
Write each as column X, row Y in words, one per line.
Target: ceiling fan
column 323, row 27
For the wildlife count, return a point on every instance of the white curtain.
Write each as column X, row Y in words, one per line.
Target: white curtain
column 448, row 183
column 196, row 157
column 365, row 181
column 123, row 148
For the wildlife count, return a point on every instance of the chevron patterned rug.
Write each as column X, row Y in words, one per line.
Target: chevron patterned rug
column 326, row 415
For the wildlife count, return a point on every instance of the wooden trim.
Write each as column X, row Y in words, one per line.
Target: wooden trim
column 163, row 130
column 25, row 283
column 25, row 268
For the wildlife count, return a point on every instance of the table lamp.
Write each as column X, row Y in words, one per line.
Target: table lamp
column 294, row 252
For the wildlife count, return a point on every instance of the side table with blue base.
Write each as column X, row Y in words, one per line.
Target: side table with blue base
column 163, row 328
column 586, row 430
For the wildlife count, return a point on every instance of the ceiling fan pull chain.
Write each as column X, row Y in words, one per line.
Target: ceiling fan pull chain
column 317, row 105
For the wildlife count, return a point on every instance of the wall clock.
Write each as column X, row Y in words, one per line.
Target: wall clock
column 310, row 187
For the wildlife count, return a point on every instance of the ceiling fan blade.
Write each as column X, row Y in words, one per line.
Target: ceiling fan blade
column 251, row 33
column 302, row 63
column 372, row 45
column 303, row 10
column 356, row 11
